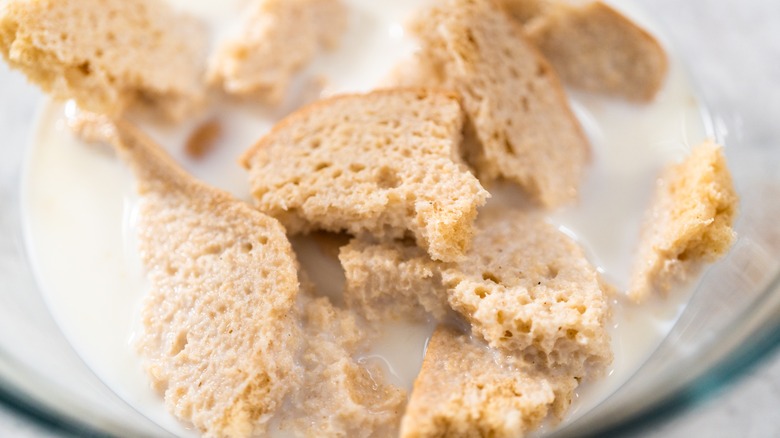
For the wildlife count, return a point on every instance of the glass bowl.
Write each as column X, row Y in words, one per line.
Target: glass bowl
column 732, row 321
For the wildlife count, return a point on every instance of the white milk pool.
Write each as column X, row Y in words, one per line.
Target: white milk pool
column 79, row 206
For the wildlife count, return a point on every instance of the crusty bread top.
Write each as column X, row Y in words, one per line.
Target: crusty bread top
column 218, row 330
column 107, row 55
column 525, row 129
column 462, row 391
column 594, row 47
column 277, row 39
column 689, row 222
column 383, row 163
column 524, row 286
column 340, row 396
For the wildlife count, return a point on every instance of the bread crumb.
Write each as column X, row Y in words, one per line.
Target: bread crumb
column 203, row 138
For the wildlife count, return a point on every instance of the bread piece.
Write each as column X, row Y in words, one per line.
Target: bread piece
column 107, row 55
column 525, row 11
column 523, row 125
column 392, row 281
column 462, row 391
column 277, row 39
column 383, row 163
column 688, row 224
column 524, row 286
column 340, row 396
column 595, row 48
column 219, row 333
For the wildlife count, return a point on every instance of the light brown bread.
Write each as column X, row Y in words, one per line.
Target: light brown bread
column 525, row 11
column 219, row 333
column 524, row 286
column 277, row 39
column 463, row 391
column 340, row 396
column 108, row 55
column 595, row 48
column 383, row 163
column 688, row 224
column 392, row 281
column 520, row 116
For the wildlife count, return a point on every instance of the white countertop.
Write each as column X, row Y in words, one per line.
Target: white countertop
column 749, row 406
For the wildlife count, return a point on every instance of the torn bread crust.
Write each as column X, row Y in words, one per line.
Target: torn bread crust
column 383, row 164
column 524, row 129
column 462, row 390
column 219, row 333
column 688, row 224
column 108, row 55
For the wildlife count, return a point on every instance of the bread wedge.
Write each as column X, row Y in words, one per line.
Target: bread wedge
column 463, row 390
column 219, row 334
column 383, row 164
column 517, row 110
column 595, row 48
column 108, row 55
column 277, row 39
column 688, row 224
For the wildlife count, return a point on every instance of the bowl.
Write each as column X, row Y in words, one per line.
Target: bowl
column 731, row 322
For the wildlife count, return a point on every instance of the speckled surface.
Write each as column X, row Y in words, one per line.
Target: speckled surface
column 747, row 407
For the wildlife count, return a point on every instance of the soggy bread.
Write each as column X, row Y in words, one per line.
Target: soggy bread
column 277, row 38
column 595, row 48
column 218, row 329
column 524, row 11
column 523, row 285
column 341, row 396
column 383, row 163
column 519, row 114
column 392, row 281
column 526, row 285
column 462, row 391
column 107, row 55
column 689, row 222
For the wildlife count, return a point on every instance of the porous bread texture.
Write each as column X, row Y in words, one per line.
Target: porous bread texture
column 524, row 286
column 108, row 55
column 383, row 163
column 340, row 396
column 595, row 48
column 689, row 222
column 276, row 40
column 219, row 332
column 392, row 282
column 463, row 391
column 519, row 115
